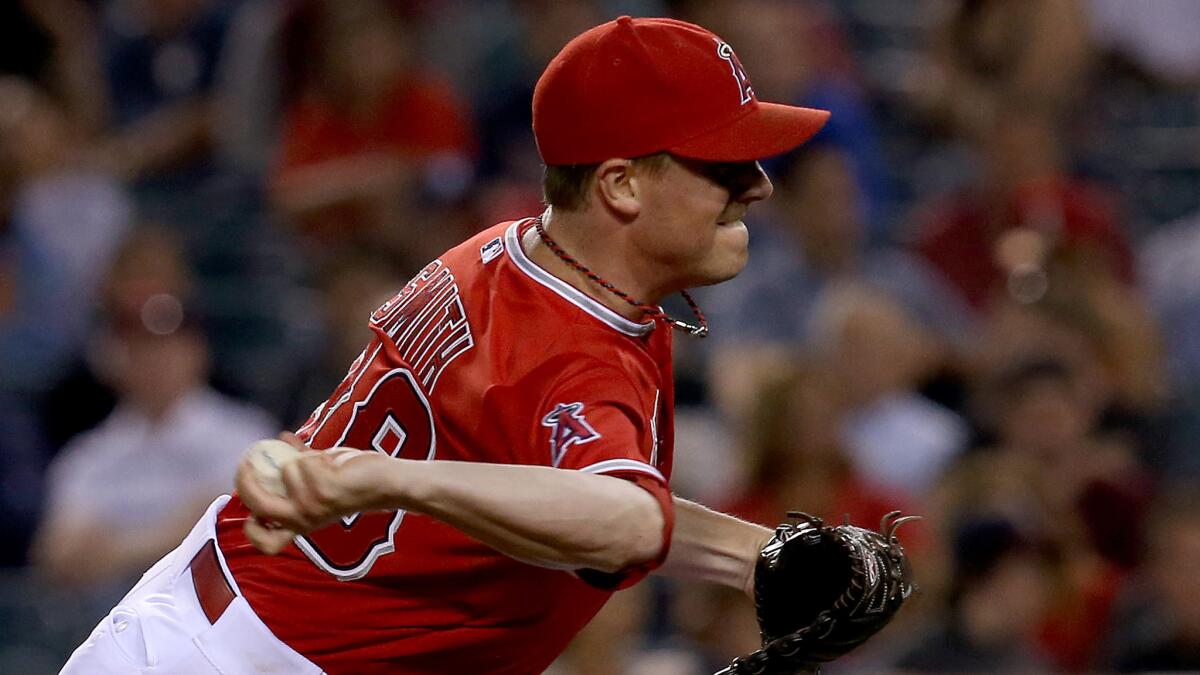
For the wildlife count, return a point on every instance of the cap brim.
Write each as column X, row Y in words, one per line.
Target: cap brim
column 771, row 129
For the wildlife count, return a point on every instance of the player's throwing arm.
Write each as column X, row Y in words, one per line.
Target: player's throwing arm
column 514, row 509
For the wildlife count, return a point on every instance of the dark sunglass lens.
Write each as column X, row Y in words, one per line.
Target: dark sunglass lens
column 733, row 176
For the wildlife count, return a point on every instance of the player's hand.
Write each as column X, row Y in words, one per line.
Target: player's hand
column 321, row 487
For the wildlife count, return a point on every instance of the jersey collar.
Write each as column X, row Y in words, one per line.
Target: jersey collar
column 568, row 292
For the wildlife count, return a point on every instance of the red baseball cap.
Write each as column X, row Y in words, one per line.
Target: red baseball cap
column 634, row 87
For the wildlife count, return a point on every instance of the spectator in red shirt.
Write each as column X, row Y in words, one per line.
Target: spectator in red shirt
column 1008, row 84
column 1025, row 210
column 368, row 129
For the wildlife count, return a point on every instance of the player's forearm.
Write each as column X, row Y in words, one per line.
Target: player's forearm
column 713, row 547
column 546, row 516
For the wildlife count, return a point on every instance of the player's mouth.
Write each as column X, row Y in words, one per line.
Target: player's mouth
column 734, row 213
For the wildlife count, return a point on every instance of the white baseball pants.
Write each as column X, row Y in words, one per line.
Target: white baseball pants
column 161, row 626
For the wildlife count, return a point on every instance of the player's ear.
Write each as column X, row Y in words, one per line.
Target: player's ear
column 617, row 189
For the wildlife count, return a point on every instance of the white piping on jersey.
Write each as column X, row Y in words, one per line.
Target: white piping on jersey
column 363, row 368
column 573, row 295
column 654, row 429
column 615, row 465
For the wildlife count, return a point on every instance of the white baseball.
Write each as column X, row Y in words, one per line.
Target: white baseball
column 268, row 457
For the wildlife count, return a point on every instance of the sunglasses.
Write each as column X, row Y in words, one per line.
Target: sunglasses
column 734, row 177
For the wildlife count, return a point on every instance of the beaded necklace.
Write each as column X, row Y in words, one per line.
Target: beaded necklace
column 699, row 330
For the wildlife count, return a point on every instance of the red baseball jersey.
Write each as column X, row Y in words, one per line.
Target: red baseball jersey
column 482, row 357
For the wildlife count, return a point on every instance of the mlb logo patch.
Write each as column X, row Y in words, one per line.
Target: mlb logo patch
column 489, row 251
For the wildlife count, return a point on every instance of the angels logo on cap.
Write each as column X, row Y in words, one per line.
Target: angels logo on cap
column 633, row 87
column 739, row 73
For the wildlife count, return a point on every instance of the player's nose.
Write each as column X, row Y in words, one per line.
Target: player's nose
column 757, row 189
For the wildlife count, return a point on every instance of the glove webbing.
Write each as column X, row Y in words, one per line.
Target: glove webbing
column 782, row 650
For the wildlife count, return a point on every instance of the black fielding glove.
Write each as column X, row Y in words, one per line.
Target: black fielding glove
column 822, row 590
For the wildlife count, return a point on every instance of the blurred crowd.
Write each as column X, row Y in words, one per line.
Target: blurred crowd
column 974, row 296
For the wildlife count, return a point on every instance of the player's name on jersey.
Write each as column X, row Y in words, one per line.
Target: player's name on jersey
column 427, row 323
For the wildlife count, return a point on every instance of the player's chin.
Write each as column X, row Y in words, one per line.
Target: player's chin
column 729, row 261
column 734, row 267
column 733, row 243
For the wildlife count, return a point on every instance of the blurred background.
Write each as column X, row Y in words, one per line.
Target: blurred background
column 975, row 295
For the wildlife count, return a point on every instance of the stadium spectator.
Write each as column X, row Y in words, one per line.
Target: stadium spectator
column 1052, row 472
column 160, row 59
column 1167, row 638
column 797, row 457
column 60, row 221
column 367, row 133
column 990, row 56
column 64, row 221
column 1009, row 75
column 990, row 239
column 170, row 441
column 877, row 354
column 1001, row 586
column 1100, row 328
column 811, row 235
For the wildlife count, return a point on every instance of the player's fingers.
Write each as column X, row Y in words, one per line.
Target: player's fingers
column 334, row 483
column 339, row 457
column 245, row 481
column 261, row 501
column 298, row 481
column 269, row 540
column 259, row 535
column 294, row 441
column 316, row 489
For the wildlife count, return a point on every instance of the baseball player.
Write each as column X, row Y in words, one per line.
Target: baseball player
column 511, row 420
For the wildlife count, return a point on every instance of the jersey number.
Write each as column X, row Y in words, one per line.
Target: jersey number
column 394, row 418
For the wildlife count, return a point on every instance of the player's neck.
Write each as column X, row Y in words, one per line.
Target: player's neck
column 602, row 255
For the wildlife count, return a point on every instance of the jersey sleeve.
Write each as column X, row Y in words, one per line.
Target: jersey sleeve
column 631, row 575
column 598, row 421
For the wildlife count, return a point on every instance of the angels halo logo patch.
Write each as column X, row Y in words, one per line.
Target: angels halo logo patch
column 567, row 427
